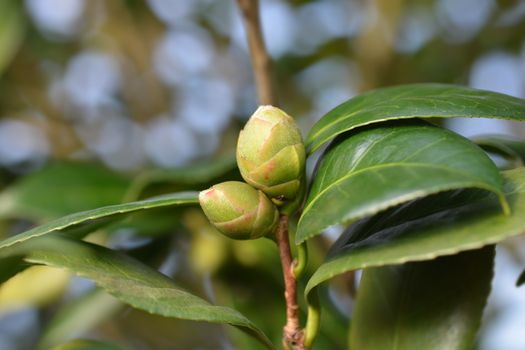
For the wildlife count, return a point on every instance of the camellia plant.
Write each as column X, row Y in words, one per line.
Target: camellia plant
column 417, row 208
column 420, row 208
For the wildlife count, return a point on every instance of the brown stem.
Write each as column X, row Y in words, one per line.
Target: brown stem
column 261, row 61
column 292, row 334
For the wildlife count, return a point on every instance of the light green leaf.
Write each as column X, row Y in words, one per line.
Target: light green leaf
column 412, row 101
column 85, row 344
column 380, row 166
column 424, row 229
column 60, row 189
column 128, row 280
column 431, row 305
column 12, row 28
column 86, row 221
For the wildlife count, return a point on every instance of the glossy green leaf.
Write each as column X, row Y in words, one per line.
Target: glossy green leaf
column 128, row 280
column 424, row 229
column 85, row 221
column 60, row 189
column 86, row 344
column 431, row 305
column 377, row 167
column 412, row 101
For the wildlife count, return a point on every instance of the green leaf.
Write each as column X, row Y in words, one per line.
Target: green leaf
column 510, row 149
column 380, row 166
column 413, row 101
column 424, row 229
column 79, row 316
column 87, row 220
column 12, row 28
column 85, row 344
column 60, row 189
column 429, row 305
column 10, row 267
column 129, row 280
column 521, row 279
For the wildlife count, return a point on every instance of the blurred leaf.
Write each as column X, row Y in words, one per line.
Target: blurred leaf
column 521, row 279
column 412, row 101
column 12, row 28
column 60, row 189
column 184, row 178
column 427, row 305
column 377, row 167
column 36, row 286
column 424, row 229
column 128, row 280
column 93, row 218
column 79, row 316
column 84, row 344
column 510, row 149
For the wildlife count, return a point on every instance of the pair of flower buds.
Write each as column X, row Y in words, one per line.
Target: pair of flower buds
column 271, row 159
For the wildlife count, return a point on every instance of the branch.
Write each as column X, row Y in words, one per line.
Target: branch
column 261, row 61
column 292, row 334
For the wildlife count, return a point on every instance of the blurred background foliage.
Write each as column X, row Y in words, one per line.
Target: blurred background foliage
column 103, row 101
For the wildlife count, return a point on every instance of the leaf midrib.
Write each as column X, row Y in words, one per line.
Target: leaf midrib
column 395, row 164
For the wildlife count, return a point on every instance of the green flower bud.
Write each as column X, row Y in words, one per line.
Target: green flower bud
column 271, row 155
column 238, row 210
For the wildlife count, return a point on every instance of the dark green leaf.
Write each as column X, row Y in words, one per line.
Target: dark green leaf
column 521, row 279
column 10, row 267
column 431, row 305
column 85, row 344
column 411, row 101
column 511, row 150
column 60, row 189
column 374, row 168
column 128, row 280
column 86, row 220
column 438, row 225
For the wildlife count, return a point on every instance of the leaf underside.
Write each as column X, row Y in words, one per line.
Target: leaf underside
column 442, row 224
column 413, row 101
column 377, row 167
column 431, row 305
column 85, row 220
column 128, row 280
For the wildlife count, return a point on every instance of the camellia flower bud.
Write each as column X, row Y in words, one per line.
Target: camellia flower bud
column 271, row 155
column 238, row 210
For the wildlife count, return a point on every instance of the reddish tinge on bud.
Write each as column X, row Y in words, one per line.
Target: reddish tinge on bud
column 271, row 154
column 238, row 210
